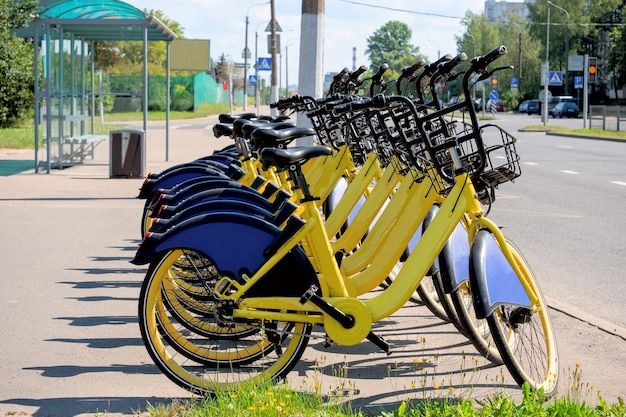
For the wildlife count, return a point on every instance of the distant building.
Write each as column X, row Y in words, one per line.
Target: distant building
column 499, row 11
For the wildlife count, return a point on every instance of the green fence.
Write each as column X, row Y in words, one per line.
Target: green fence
column 186, row 92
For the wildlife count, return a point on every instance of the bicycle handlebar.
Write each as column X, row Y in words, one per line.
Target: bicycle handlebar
column 446, row 68
column 354, row 76
column 378, row 101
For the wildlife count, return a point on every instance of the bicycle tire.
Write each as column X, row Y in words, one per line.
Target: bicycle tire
column 525, row 336
column 429, row 296
column 476, row 330
column 229, row 369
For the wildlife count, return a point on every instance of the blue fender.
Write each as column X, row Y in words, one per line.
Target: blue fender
column 186, row 189
column 177, row 176
column 236, row 244
column 418, row 235
column 168, row 210
column 454, row 260
column 161, row 224
column 493, row 281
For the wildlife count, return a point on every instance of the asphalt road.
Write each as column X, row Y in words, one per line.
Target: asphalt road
column 567, row 212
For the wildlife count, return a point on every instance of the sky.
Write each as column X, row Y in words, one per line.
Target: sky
column 347, row 25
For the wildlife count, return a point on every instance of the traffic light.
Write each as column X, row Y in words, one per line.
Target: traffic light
column 593, row 69
column 494, row 81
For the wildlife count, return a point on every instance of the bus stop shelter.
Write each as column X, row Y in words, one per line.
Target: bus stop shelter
column 65, row 33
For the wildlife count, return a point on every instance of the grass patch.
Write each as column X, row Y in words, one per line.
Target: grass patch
column 205, row 109
column 275, row 401
column 22, row 137
column 593, row 132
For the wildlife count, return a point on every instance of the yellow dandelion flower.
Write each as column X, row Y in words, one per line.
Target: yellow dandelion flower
column 412, row 384
column 436, row 387
column 450, row 389
column 576, row 364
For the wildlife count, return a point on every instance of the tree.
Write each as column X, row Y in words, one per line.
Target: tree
column 582, row 30
column 132, row 51
column 16, row 62
column 391, row 44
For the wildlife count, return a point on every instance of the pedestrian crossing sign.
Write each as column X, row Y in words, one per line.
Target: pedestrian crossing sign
column 264, row 64
column 556, row 78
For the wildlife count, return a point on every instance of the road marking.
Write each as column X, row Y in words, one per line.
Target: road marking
column 209, row 127
column 531, row 163
column 566, row 171
column 618, row 183
column 565, row 147
column 179, row 126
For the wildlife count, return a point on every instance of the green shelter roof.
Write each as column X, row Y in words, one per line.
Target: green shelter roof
column 104, row 20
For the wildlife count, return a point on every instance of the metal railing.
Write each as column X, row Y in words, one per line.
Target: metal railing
column 607, row 117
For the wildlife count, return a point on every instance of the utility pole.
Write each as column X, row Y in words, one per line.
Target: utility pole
column 310, row 76
column 274, row 84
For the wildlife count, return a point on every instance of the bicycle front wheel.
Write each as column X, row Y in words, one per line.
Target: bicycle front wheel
column 206, row 362
column 525, row 337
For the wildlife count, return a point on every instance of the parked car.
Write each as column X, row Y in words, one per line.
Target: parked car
column 558, row 99
column 523, row 107
column 565, row 108
column 479, row 105
column 533, row 107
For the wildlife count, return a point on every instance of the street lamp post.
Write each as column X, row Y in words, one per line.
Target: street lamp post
column 473, row 55
column 566, row 42
column 246, row 55
column 544, row 109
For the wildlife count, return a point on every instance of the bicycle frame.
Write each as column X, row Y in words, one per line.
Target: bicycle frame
column 336, row 290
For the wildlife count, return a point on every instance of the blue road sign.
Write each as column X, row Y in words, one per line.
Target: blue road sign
column 514, row 82
column 264, row 64
column 578, row 81
column 555, row 78
column 493, row 95
column 252, row 79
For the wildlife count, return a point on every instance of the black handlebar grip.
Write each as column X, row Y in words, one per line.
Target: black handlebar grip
column 341, row 74
column 482, row 61
column 378, row 101
column 332, row 97
column 446, row 57
column 379, row 74
column 345, row 99
column 408, row 71
column 447, row 67
column 357, row 73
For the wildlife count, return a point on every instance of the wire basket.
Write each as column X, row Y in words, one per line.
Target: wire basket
column 489, row 159
column 502, row 158
column 398, row 127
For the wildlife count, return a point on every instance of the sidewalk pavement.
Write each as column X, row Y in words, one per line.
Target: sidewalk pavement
column 71, row 343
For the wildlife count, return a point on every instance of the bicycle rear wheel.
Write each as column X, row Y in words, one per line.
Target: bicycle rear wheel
column 525, row 337
column 261, row 351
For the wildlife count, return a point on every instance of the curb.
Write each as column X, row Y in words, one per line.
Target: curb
column 585, row 317
column 575, row 136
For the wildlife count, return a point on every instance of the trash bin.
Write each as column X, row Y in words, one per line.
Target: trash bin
column 127, row 155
